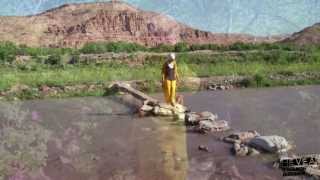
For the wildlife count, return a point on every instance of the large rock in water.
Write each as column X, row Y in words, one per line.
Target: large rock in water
column 212, row 126
column 241, row 137
column 272, row 144
column 163, row 109
column 193, row 118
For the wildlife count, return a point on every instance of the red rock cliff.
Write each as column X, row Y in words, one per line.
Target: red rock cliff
column 74, row 25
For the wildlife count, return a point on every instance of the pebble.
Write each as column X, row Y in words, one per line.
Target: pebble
column 203, row 148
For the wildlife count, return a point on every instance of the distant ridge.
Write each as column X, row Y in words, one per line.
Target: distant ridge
column 73, row 25
column 309, row 35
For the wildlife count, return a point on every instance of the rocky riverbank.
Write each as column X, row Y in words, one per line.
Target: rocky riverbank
column 22, row 91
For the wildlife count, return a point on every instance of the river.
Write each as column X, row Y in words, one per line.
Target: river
column 102, row 138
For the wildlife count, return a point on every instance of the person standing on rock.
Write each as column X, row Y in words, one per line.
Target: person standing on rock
column 169, row 79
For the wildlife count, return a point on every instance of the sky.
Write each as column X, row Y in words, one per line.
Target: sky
column 256, row 17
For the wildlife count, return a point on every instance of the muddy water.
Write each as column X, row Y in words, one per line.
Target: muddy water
column 102, row 138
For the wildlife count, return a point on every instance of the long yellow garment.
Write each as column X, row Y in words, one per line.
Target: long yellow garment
column 169, row 87
column 170, row 91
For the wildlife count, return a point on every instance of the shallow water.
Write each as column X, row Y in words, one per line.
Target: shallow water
column 290, row 112
column 101, row 138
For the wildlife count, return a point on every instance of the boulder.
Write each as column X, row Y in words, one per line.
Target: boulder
column 2, row 93
column 207, row 116
column 253, row 152
column 69, row 88
column 92, row 87
column 163, row 109
column 212, row 126
column 214, row 87
column 244, row 150
column 193, row 118
column 146, row 108
column 241, row 137
column 44, row 88
column 240, row 149
column 180, row 116
column 180, row 108
column 271, row 144
column 203, row 148
column 19, row 88
column 126, row 88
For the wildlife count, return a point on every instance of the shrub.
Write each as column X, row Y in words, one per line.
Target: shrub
column 195, row 47
column 75, row 59
column 258, row 79
column 54, row 60
column 8, row 52
column 39, row 59
column 163, row 48
column 289, row 47
column 181, row 47
column 103, row 47
column 241, row 46
column 214, row 47
column 246, row 82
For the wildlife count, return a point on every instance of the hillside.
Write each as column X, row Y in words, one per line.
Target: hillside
column 309, row 35
column 73, row 25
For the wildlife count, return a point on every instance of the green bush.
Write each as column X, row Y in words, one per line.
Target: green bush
column 246, row 83
column 258, row 79
column 39, row 59
column 54, row 60
column 103, row 47
column 75, row 59
column 181, row 47
column 290, row 47
column 163, row 48
column 8, row 52
column 195, row 47
column 42, row 51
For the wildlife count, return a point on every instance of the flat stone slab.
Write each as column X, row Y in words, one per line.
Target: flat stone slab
column 134, row 92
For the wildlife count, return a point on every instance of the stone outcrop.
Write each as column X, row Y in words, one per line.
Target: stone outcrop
column 73, row 25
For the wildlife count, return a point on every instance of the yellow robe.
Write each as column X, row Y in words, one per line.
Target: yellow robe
column 169, row 86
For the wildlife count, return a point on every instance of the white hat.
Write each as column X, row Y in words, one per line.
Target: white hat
column 172, row 56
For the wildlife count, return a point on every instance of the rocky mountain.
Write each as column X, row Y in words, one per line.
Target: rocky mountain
column 309, row 35
column 73, row 25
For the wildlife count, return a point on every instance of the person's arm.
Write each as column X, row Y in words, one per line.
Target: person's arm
column 163, row 72
column 176, row 72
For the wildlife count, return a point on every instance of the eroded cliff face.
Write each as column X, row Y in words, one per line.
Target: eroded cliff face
column 76, row 24
column 143, row 28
